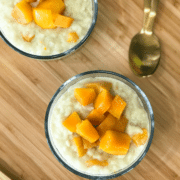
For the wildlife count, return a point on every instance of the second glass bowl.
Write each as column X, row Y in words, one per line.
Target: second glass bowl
column 65, row 53
column 64, row 88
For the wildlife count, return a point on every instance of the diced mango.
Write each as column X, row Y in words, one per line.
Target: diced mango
column 88, row 145
column 27, row 37
column 99, row 86
column 108, row 124
column 117, row 106
column 85, row 96
column 72, row 37
column 22, row 12
column 63, row 21
column 30, row 1
column 96, row 162
column 56, row 6
column 121, row 124
column 79, row 144
column 87, row 131
column 71, row 122
column 115, row 143
column 140, row 138
column 95, row 117
column 43, row 18
column 103, row 101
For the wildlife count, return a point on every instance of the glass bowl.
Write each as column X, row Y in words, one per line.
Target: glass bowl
column 98, row 73
column 65, row 53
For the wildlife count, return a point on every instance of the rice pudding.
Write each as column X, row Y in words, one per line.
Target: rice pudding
column 46, row 41
column 63, row 138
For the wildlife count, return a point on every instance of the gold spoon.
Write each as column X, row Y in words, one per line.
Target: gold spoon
column 144, row 51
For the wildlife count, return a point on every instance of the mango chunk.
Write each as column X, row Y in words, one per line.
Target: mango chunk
column 96, row 162
column 30, row 1
column 56, row 6
column 103, row 101
column 22, row 12
column 27, row 37
column 86, row 130
column 115, row 143
column 71, row 122
column 79, row 144
column 99, row 86
column 121, row 124
column 72, row 37
column 88, row 145
column 117, row 106
column 63, row 21
column 43, row 18
column 95, row 117
column 108, row 124
column 85, row 96
column 140, row 138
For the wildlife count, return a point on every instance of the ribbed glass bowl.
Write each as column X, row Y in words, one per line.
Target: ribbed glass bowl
column 65, row 53
column 64, row 87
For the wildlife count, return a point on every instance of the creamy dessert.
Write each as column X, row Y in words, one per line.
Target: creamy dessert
column 59, row 29
column 96, row 138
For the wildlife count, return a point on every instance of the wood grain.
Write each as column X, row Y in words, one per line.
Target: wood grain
column 27, row 85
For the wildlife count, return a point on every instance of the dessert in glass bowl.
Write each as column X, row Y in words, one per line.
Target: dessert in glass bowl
column 99, row 124
column 41, row 30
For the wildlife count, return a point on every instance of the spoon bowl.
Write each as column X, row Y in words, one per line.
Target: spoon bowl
column 144, row 50
column 144, row 54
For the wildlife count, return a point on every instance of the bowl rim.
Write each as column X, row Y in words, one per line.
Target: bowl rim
column 63, row 54
column 105, row 176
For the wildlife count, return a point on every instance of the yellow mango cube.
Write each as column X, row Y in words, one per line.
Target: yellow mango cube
column 86, row 130
column 43, row 18
column 108, row 124
column 22, row 12
column 103, row 101
column 140, row 138
column 95, row 117
column 71, row 122
column 30, row 1
column 115, row 143
column 79, row 144
column 85, row 96
column 63, row 21
column 117, row 107
column 56, row 6
column 72, row 37
column 121, row 124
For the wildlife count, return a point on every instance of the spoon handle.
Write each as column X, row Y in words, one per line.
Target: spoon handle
column 147, row 7
column 152, row 16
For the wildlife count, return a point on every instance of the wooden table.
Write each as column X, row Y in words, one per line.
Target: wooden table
column 27, row 85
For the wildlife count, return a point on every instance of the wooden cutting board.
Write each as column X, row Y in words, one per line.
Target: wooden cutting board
column 27, row 85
